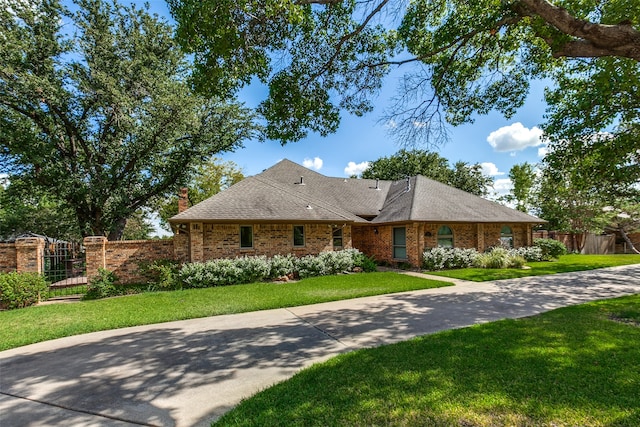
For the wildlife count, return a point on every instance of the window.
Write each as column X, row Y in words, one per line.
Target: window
column 445, row 237
column 506, row 236
column 298, row 235
column 337, row 237
column 246, row 236
column 400, row 243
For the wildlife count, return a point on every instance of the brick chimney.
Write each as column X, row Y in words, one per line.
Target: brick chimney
column 183, row 200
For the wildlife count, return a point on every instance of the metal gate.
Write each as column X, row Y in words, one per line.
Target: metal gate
column 64, row 263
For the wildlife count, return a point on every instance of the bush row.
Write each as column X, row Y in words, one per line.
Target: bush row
column 221, row 272
column 18, row 290
column 451, row 258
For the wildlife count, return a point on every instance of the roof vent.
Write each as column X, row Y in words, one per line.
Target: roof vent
column 309, row 207
column 301, row 181
column 408, row 184
column 378, row 184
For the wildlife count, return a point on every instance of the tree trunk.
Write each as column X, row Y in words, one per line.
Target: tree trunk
column 118, row 229
column 628, row 240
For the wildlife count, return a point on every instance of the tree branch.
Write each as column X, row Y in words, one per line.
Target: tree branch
column 594, row 39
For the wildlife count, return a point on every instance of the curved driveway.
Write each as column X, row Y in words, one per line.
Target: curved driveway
column 190, row 372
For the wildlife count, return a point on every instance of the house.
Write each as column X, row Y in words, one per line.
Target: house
column 291, row 209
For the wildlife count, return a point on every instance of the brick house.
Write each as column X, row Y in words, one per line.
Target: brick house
column 291, row 209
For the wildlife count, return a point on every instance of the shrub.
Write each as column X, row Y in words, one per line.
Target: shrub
column 161, row 274
column 103, row 285
column 551, row 248
column 367, row 264
column 448, row 258
column 497, row 257
column 252, row 269
column 310, row 266
column 19, row 290
column 529, row 253
column 280, row 265
column 221, row 272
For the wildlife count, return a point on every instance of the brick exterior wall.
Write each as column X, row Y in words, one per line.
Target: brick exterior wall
column 8, row 257
column 223, row 240
column 124, row 257
column 377, row 241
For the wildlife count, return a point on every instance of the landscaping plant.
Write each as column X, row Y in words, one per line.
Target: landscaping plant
column 18, row 290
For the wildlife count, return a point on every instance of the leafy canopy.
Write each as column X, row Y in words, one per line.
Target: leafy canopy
column 463, row 57
column 431, row 165
column 99, row 112
column 210, row 178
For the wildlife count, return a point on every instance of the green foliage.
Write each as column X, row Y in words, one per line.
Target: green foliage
column 35, row 324
column 551, row 248
column 161, row 274
column 569, row 367
column 103, row 285
column 448, row 258
column 27, row 209
column 100, row 114
column 208, row 179
column 523, row 178
column 366, row 263
column 224, row 272
column 19, row 290
column 468, row 58
column 431, row 165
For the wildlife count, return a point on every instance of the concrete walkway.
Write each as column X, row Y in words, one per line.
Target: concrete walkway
column 188, row 373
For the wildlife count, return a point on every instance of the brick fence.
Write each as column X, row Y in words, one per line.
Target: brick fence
column 26, row 254
column 124, row 257
column 121, row 257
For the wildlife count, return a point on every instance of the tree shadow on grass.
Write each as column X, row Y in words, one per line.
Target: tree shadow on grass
column 569, row 367
column 186, row 373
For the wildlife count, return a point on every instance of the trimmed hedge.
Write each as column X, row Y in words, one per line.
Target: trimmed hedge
column 19, row 290
column 223, row 272
column 451, row 258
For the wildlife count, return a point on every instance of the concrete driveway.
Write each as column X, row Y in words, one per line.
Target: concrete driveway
column 188, row 373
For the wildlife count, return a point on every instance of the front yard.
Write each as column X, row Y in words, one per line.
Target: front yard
column 46, row 322
column 576, row 366
column 565, row 264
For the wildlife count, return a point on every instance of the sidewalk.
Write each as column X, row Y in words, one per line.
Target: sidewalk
column 191, row 372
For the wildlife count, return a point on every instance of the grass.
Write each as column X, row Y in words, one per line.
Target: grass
column 569, row 367
column 565, row 264
column 45, row 322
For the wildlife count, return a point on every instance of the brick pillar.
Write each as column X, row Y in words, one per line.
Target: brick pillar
column 196, row 241
column 183, row 200
column 30, row 255
column 95, row 247
column 480, row 237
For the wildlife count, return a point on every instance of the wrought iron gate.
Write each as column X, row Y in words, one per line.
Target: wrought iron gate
column 63, row 260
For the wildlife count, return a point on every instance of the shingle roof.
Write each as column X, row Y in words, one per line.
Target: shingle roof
column 280, row 194
column 427, row 200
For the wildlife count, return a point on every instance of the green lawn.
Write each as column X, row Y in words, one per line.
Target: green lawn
column 566, row 263
column 574, row 366
column 45, row 322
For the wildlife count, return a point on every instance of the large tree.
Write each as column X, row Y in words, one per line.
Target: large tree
column 522, row 194
column 318, row 56
column 431, row 165
column 96, row 109
column 209, row 178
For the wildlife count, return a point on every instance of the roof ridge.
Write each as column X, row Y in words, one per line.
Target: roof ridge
column 321, row 203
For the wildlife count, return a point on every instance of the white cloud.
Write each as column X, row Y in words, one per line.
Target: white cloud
column 501, row 187
column 490, row 169
column 515, row 137
column 542, row 151
column 4, row 181
column 354, row 168
column 315, row 163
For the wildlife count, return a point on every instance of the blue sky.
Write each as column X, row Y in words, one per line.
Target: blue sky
column 492, row 140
